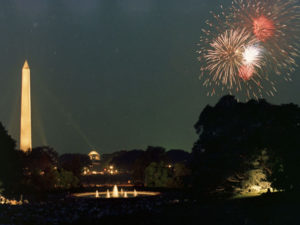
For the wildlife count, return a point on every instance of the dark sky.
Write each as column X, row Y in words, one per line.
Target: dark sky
column 108, row 74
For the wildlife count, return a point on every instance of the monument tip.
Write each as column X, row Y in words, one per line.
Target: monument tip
column 25, row 65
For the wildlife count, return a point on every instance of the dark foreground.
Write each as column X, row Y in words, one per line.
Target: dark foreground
column 270, row 209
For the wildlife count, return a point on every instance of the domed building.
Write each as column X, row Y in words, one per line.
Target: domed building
column 95, row 159
column 94, row 156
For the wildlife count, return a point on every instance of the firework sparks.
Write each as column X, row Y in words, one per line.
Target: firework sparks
column 246, row 44
column 246, row 72
column 252, row 58
column 252, row 55
column 275, row 23
column 226, row 55
column 232, row 61
column 263, row 28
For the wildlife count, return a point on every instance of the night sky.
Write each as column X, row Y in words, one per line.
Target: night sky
column 108, row 74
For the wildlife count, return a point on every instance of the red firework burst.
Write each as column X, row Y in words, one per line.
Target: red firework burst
column 263, row 28
column 246, row 72
column 275, row 23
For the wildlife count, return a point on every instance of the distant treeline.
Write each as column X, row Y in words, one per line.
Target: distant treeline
column 241, row 147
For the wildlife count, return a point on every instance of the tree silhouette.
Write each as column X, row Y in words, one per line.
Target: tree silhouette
column 232, row 135
column 152, row 154
column 74, row 162
column 157, row 175
column 41, row 159
column 40, row 169
column 10, row 161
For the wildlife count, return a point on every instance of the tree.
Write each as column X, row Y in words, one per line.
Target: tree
column 41, row 159
column 124, row 160
column 157, row 175
column 177, row 156
column 10, row 161
column 255, row 179
column 283, row 137
column 180, row 176
column 40, row 165
column 152, row 154
column 231, row 137
column 74, row 162
column 160, row 174
column 66, row 179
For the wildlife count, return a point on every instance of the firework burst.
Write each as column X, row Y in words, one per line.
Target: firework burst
column 276, row 24
column 225, row 55
column 246, row 72
column 233, row 62
column 252, row 55
column 247, row 44
column 263, row 28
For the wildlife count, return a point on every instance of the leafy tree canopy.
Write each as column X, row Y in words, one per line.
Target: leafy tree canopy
column 10, row 161
column 74, row 162
column 232, row 135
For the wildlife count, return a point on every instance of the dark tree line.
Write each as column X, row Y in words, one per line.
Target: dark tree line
column 240, row 146
column 235, row 138
column 151, row 166
column 10, row 161
column 39, row 170
column 44, row 169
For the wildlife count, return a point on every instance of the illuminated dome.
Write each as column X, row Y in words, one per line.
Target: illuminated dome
column 94, row 155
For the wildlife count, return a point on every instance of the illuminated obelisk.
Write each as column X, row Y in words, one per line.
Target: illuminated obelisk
column 25, row 126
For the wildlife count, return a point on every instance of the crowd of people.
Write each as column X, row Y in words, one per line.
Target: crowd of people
column 72, row 210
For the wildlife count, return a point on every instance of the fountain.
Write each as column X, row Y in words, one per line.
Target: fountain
column 134, row 193
column 107, row 194
column 116, row 194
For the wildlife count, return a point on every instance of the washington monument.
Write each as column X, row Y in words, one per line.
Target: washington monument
column 25, row 125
